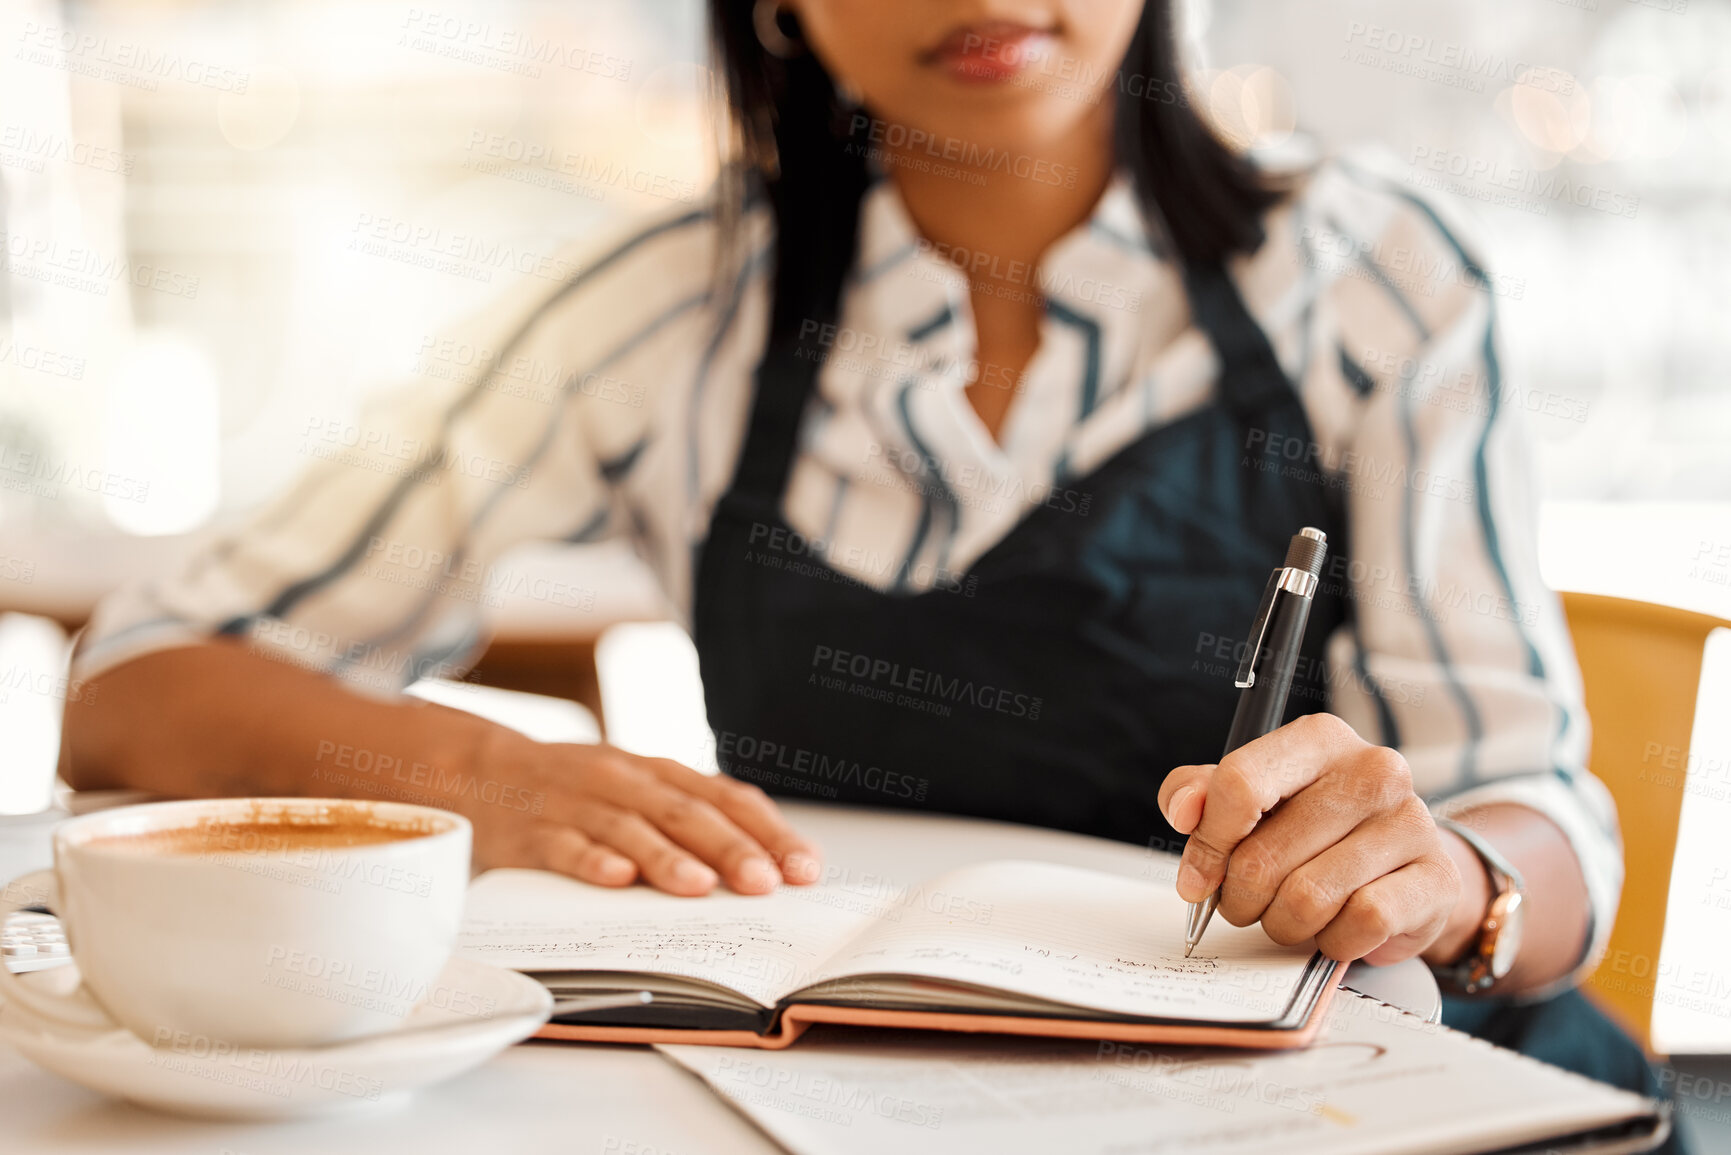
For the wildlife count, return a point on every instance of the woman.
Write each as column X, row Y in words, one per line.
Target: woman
column 967, row 424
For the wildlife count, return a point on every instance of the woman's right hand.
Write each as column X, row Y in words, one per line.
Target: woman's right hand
column 217, row 720
column 602, row 815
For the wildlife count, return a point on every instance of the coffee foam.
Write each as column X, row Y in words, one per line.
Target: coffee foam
column 273, row 824
column 225, row 837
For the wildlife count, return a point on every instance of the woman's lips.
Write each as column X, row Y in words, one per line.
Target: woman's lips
column 989, row 53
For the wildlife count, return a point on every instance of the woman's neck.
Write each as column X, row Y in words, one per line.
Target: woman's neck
column 1010, row 204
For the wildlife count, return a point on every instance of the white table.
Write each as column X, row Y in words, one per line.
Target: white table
column 570, row 1098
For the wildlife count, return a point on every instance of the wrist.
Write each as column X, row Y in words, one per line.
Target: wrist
column 472, row 762
column 1461, row 931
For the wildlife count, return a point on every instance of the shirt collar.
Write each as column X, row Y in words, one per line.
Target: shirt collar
column 904, row 286
column 906, row 336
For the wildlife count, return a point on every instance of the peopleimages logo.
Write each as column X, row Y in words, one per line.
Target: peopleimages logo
column 820, row 1098
column 970, row 483
column 969, row 156
column 1000, row 276
column 756, row 760
column 1530, row 189
column 830, row 665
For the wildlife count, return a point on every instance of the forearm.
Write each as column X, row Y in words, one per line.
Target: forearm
column 1557, row 907
column 216, row 719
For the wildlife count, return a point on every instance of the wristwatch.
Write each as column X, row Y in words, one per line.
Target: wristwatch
column 1492, row 954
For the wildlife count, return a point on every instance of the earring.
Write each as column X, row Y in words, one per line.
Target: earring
column 766, row 19
column 848, row 93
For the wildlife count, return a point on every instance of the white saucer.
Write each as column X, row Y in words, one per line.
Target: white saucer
column 433, row 1043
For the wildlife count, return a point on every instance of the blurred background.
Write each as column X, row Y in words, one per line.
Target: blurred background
column 223, row 222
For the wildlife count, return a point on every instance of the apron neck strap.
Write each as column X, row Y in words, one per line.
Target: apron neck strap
column 1250, row 379
column 786, row 378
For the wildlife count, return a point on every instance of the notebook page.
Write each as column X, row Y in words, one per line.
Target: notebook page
column 1380, row 1082
column 1080, row 937
column 759, row 945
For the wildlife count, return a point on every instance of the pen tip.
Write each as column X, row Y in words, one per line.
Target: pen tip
column 1188, row 947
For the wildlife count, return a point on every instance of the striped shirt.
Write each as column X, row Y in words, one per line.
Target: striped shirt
column 614, row 401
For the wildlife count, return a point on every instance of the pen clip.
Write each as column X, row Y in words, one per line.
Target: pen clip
column 1246, row 676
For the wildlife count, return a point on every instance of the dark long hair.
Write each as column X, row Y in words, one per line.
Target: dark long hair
column 787, row 137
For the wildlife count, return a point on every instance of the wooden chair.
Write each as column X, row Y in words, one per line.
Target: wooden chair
column 1641, row 666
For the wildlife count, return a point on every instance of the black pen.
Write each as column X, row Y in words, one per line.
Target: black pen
column 1265, row 674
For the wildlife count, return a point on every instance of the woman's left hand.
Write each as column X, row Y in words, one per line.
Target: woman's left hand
column 1317, row 833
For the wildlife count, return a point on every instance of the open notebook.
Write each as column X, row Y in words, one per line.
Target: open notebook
column 1026, row 948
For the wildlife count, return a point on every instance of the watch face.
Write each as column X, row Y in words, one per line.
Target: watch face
column 1508, row 941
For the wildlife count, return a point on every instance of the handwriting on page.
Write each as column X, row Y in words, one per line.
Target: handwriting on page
column 749, row 955
column 761, row 946
column 1197, row 965
column 639, row 941
column 1078, row 937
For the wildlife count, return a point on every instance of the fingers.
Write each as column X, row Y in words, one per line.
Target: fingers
column 561, row 849
column 1182, row 796
column 701, row 828
column 683, row 831
column 1287, row 839
column 1394, row 917
column 1251, row 781
column 663, row 864
column 1366, row 783
column 752, row 811
column 1313, row 894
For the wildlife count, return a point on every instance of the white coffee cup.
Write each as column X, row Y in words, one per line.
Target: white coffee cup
column 249, row 921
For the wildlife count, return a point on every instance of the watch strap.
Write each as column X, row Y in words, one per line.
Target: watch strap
column 1487, row 853
column 1472, row 972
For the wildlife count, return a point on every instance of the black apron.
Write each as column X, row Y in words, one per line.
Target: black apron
column 1063, row 675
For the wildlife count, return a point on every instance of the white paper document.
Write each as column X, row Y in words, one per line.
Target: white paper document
column 1381, row 1082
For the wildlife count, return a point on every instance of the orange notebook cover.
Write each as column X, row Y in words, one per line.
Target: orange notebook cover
column 795, row 1018
column 1021, row 948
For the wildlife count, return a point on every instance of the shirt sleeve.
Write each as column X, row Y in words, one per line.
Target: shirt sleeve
column 377, row 567
column 1457, row 653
